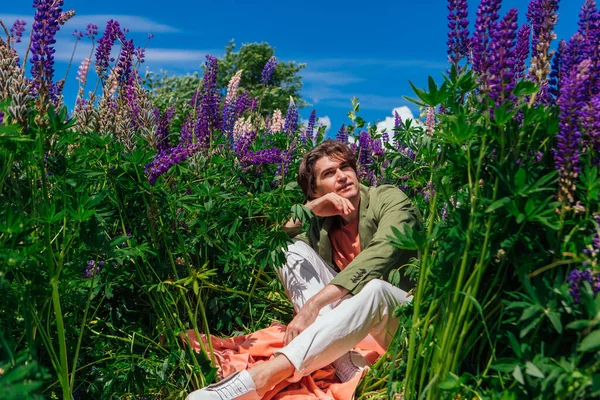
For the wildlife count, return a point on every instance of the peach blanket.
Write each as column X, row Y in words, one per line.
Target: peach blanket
column 240, row 352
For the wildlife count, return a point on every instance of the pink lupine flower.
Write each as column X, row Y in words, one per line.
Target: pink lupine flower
column 241, row 126
column 83, row 70
column 277, row 121
column 430, row 121
column 232, row 87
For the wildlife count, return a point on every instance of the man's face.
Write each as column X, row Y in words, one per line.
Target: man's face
column 335, row 175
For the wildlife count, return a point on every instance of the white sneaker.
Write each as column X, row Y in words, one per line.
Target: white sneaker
column 238, row 386
column 350, row 364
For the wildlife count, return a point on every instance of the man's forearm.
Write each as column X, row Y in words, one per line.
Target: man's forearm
column 293, row 223
column 326, row 296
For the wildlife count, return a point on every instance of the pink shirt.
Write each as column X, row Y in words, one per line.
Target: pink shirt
column 345, row 243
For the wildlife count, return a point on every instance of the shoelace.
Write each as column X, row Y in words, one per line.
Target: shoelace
column 227, row 390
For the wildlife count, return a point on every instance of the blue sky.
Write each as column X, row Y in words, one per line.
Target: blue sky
column 370, row 49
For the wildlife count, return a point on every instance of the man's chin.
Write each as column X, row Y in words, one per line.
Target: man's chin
column 348, row 194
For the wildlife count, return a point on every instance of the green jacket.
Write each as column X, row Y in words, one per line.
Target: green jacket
column 381, row 208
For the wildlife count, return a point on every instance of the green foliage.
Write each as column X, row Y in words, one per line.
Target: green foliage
column 251, row 58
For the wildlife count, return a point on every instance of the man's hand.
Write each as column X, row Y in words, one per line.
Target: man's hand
column 329, row 205
column 309, row 312
column 301, row 321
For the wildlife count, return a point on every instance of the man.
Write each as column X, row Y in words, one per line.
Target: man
column 333, row 273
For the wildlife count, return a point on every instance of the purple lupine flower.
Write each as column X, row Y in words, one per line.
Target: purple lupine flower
column 502, row 54
column 308, row 134
column 105, row 44
column 17, row 29
column 365, row 146
column 572, row 55
column 342, row 134
column 123, row 68
column 542, row 16
column 539, row 155
column 458, row 34
column 44, row 29
column 140, row 54
column 487, row 17
column 163, row 123
column 242, row 145
column 261, row 157
column 91, row 31
column 591, row 125
column 540, row 13
column 589, row 29
column 164, row 161
column 397, row 127
column 593, row 250
column 92, row 269
column 229, row 117
column 252, row 103
column 77, row 34
column 1, row 117
column 286, row 158
column 444, row 214
column 365, row 158
column 429, row 191
column 557, row 71
column 267, row 72
column 521, row 52
column 571, row 101
column 129, row 93
column 576, row 279
column 385, row 137
column 241, row 104
column 377, row 147
column 291, row 119
column 208, row 117
column 187, row 130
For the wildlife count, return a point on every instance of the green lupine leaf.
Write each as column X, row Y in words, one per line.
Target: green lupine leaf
column 532, row 370
column 554, row 318
column 518, row 375
column 497, row 204
column 504, row 364
column 579, row 324
column 590, row 343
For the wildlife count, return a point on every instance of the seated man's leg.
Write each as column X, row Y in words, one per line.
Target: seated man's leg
column 304, row 274
column 337, row 332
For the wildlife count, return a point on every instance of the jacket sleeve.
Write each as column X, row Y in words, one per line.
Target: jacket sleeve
column 379, row 257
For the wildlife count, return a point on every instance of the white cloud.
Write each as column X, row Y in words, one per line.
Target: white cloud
column 324, row 121
column 321, row 121
column 178, row 55
column 333, row 78
column 388, row 124
column 379, row 62
column 132, row 22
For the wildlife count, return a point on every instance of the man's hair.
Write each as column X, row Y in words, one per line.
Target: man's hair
column 329, row 148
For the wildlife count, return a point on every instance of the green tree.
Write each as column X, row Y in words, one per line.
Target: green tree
column 251, row 58
column 285, row 82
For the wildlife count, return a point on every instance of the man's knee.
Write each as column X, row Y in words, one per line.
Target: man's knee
column 297, row 248
column 375, row 288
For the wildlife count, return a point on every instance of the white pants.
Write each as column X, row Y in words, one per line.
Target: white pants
column 340, row 325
